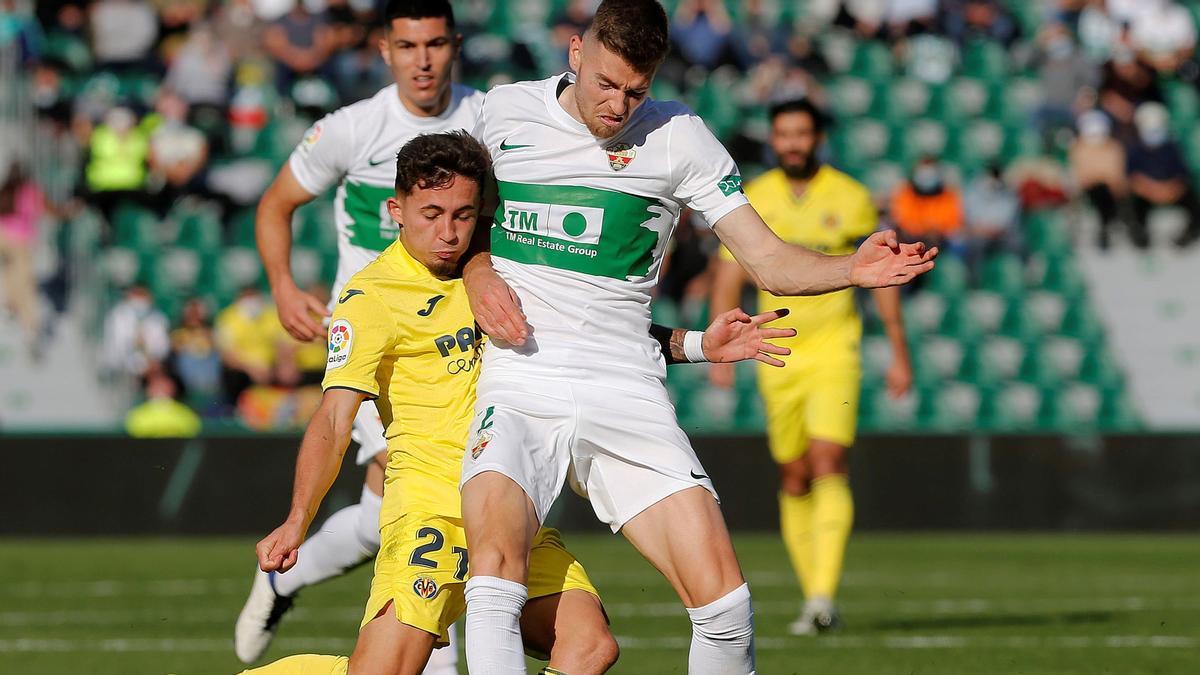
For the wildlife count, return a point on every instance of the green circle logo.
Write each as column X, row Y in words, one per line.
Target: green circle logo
column 574, row 224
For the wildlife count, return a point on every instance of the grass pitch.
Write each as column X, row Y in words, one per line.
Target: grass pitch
column 911, row 603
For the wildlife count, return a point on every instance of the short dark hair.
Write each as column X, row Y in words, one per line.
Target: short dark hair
column 803, row 105
column 418, row 9
column 434, row 160
column 635, row 30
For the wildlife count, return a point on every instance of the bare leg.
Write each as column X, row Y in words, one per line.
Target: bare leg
column 571, row 628
column 387, row 647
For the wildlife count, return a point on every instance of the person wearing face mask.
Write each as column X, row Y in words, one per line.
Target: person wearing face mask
column 1068, row 78
column 116, row 165
column 1158, row 175
column 1097, row 163
column 927, row 209
column 135, row 335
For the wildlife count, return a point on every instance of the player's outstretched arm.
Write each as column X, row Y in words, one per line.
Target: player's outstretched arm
column 495, row 306
column 785, row 269
column 317, row 465
column 273, row 233
column 732, row 336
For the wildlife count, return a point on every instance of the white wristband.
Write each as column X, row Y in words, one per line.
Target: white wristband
column 693, row 346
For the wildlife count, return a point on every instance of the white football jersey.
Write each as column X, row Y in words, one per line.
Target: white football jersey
column 355, row 148
column 582, row 224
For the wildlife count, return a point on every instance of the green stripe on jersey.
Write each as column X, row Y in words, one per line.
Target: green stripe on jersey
column 370, row 225
column 598, row 232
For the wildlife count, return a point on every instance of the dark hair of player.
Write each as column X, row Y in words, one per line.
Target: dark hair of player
column 635, row 30
column 803, row 105
column 418, row 9
column 432, row 161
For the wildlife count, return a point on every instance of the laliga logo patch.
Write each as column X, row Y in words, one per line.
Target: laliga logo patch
column 425, row 587
column 481, row 444
column 620, row 155
column 341, row 338
column 310, row 138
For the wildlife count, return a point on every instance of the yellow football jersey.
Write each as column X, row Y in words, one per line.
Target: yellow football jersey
column 407, row 338
column 832, row 215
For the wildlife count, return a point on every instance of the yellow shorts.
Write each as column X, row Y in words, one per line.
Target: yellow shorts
column 815, row 400
column 422, row 569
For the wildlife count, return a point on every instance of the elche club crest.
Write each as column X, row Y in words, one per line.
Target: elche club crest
column 620, row 155
column 425, row 587
column 481, row 444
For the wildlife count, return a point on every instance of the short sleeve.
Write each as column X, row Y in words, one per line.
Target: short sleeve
column 480, row 129
column 705, row 177
column 360, row 333
column 324, row 154
column 864, row 219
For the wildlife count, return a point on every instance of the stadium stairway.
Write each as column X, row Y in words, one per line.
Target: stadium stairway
column 1150, row 306
column 35, row 394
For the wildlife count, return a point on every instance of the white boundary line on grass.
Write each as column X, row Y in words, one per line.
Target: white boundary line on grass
column 297, row 644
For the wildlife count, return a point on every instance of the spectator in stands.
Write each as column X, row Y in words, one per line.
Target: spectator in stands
column 194, row 357
column 992, row 213
column 1068, row 79
column 966, row 20
column 1098, row 166
column 124, row 33
column 47, row 93
column 926, row 209
column 247, row 335
column 161, row 415
column 1126, row 83
column 1097, row 31
column 905, row 18
column 758, row 35
column 701, row 32
column 201, row 69
column 1158, row 175
column 116, row 165
column 360, row 71
column 1164, row 35
column 135, row 335
column 301, row 44
column 21, row 206
column 178, row 152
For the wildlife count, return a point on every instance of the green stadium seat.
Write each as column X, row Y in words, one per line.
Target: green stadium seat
column 872, row 61
column 176, row 272
column 199, row 226
column 1046, row 310
column 951, row 406
column 136, row 226
column 1046, row 231
column 888, row 414
column 120, row 266
column 917, row 139
column 976, row 145
column 306, row 266
column 1077, row 406
column 242, row 228
column 985, row 60
column 1054, row 360
column 949, row 277
column 907, row 98
column 876, row 355
column 998, row 359
column 860, row 142
column 925, row 312
column 1100, row 369
column 1004, row 274
column 238, row 267
column 1015, row 406
column 986, row 310
column 939, row 359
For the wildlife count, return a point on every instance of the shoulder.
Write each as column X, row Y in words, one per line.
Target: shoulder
column 527, row 90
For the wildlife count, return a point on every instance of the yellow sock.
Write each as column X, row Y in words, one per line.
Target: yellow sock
column 833, row 515
column 795, row 521
column 304, row 664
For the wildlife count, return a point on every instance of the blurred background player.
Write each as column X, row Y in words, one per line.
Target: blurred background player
column 353, row 148
column 812, row 404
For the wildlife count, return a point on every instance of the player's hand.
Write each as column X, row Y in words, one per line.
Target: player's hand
column 898, row 378
column 721, row 375
column 277, row 552
column 736, row 336
column 883, row 261
column 296, row 311
column 495, row 306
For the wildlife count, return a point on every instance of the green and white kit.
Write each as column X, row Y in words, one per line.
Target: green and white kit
column 581, row 228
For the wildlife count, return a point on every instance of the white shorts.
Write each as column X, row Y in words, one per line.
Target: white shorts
column 622, row 451
column 368, row 433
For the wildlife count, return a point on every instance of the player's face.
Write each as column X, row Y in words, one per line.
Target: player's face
column 421, row 54
column 436, row 224
column 794, row 140
column 608, row 90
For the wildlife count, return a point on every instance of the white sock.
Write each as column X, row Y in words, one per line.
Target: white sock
column 494, row 626
column 723, row 635
column 348, row 538
column 444, row 661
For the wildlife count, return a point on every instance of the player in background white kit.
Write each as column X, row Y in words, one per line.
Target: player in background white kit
column 591, row 176
column 354, row 148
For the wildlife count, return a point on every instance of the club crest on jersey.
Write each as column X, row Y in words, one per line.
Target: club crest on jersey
column 620, row 155
column 481, row 444
column 425, row 587
column 341, row 338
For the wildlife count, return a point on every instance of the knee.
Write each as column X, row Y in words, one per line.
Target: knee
column 495, row 559
column 793, row 478
column 729, row 619
column 591, row 652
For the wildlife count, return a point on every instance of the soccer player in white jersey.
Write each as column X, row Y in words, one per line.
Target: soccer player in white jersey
column 591, row 176
column 354, row 148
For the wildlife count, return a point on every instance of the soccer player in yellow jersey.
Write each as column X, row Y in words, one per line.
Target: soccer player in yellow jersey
column 402, row 333
column 812, row 404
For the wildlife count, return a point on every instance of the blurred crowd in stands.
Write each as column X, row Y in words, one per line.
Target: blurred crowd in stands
column 164, row 103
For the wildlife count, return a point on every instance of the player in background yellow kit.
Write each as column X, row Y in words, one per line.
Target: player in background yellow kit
column 402, row 333
column 812, row 404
